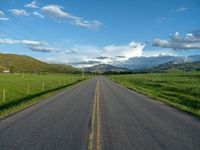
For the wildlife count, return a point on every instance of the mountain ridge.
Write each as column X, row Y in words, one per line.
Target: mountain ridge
column 171, row 66
column 26, row 64
column 101, row 68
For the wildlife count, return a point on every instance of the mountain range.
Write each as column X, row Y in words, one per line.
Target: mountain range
column 173, row 66
column 101, row 68
column 141, row 63
column 21, row 63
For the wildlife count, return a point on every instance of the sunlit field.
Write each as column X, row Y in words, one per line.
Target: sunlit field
column 181, row 90
column 17, row 89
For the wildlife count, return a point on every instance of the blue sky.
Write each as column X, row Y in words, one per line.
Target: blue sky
column 68, row 31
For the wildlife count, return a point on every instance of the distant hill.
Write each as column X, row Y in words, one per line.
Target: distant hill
column 141, row 63
column 101, row 68
column 194, row 57
column 173, row 66
column 26, row 64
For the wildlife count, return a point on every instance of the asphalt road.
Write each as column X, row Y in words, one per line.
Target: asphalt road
column 100, row 114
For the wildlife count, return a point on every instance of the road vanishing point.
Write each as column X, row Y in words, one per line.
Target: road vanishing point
column 98, row 114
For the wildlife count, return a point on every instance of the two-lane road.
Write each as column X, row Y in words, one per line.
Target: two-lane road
column 99, row 114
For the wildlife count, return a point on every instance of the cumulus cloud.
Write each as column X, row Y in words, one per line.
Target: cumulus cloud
column 178, row 42
column 132, row 49
column 2, row 16
column 37, row 14
column 58, row 12
column 19, row 12
column 196, row 33
column 32, row 4
column 109, row 54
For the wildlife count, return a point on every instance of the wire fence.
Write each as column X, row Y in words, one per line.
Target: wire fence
column 14, row 90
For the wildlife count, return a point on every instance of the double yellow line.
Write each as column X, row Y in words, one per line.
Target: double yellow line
column 95, row 129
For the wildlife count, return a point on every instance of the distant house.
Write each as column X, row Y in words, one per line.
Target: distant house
column 6, row 71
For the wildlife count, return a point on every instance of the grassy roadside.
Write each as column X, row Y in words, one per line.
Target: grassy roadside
column 21, row 100
column 180, row 90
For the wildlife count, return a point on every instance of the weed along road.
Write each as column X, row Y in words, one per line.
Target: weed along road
column 99, row 114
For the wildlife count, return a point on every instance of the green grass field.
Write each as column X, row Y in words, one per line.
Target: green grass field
column 181, row 90
column 20, row 90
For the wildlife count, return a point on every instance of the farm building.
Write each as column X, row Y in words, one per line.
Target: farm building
column 6, row 71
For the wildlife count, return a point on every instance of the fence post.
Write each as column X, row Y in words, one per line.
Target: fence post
column 4, row 94
column 28, row 90
column 43, row 86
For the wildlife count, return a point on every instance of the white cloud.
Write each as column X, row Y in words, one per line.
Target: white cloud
column 37, row 14
column 94, row 25
column 43, row 49
column 155, row 53
column 33, row 4
column 32, row 45
column 176, row 41
column 26, row 42
column 132, row 49
column 4, row 19
column 91, row 55
column 72, row 51
column 2, row 16
column 19, row 12
column 181, row 9
column 2, row 13
column 57, row 12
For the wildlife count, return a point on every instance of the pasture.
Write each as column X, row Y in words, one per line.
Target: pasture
column 178, row 89
column 17, row 90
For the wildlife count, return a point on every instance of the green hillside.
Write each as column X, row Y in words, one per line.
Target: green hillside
column 26, row 64
column 170, row 66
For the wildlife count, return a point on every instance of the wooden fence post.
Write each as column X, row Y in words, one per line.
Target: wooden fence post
column 4, row 94
column 43, row 86
column 28, row 90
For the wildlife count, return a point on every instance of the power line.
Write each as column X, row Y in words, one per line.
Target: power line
column 23, row 25
column 5, row 33
column 17, row 21
column 26, row 28
column 12, row 29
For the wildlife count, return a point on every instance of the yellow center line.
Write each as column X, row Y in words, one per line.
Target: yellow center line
column 95, row 129
column 91, row 136
column 98, row 135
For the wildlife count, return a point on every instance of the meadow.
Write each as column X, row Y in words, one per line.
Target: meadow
column 178, row 89
column 20, row 90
